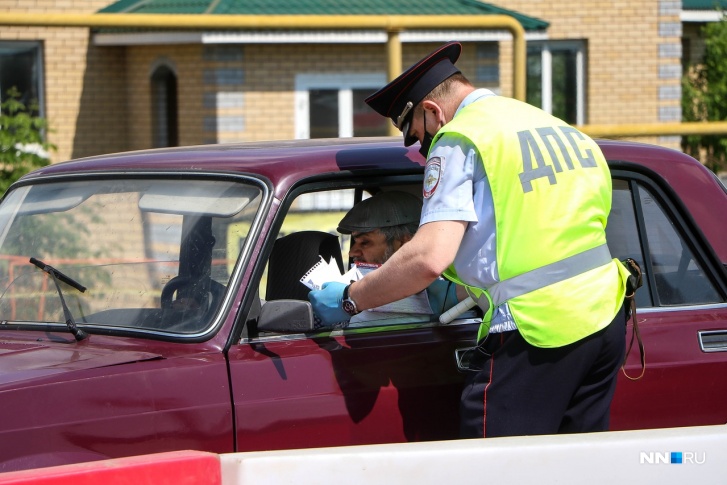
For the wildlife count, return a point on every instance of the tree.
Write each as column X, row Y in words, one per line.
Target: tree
column 704, row 97
column 23, row 146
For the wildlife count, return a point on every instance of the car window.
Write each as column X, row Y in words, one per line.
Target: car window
column 153, row 254
column 311, row 220
column 673, row 276
column 680, row 278
column 309, row 232
column 623, row 235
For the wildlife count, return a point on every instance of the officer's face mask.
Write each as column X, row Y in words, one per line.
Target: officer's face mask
column 427, row 139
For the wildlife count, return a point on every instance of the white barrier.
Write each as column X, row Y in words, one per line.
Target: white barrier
column 663, row 456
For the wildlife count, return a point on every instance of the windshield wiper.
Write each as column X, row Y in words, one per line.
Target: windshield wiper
column 57, row 275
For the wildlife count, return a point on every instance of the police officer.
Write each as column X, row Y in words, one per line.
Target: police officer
column 515, row 209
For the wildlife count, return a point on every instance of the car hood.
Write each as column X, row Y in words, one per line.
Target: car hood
column 21, row 361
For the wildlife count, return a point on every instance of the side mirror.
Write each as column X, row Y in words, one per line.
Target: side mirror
column 286, row 316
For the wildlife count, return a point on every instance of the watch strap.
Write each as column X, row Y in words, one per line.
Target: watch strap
column 349, row 306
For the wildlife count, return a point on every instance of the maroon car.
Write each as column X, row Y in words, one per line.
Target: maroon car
column 150, row 301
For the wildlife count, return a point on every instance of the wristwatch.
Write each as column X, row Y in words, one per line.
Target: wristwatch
column 348, row 305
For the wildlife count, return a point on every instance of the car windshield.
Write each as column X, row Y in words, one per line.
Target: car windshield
column 152, row 254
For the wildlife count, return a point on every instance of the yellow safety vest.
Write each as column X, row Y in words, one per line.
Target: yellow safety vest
column 551, row 189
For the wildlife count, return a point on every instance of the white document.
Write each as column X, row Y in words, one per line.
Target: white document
column 324, row 271
column 418, row 303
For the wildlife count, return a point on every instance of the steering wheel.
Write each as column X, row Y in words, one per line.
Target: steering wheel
column 176, row 283
column 195, row 318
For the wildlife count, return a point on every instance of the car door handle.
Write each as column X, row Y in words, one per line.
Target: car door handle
column 713, row 340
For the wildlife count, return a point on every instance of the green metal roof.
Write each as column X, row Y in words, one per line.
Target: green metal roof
column 704, row 4
column 321, row 7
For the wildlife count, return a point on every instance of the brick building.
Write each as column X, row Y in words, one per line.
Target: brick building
column 106, row 90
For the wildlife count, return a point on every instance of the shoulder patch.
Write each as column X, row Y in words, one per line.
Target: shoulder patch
column 432, row 174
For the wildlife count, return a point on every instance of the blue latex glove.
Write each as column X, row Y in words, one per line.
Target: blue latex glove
column 327, row 303
column 442, row 295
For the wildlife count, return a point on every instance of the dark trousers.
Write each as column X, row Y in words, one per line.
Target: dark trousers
column 514, row 388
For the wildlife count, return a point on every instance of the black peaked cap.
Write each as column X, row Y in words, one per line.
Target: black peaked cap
column 415, row 83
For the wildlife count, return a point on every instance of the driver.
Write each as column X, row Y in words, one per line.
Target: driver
column 379, row 226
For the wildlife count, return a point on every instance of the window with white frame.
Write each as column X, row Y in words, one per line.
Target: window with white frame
column 332, row 105
column 556, row 79
column 21, row 67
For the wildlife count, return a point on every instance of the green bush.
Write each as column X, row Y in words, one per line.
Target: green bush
column 23, row 146
column 704, row 97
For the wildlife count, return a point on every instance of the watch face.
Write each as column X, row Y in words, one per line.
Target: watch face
column 349, row 307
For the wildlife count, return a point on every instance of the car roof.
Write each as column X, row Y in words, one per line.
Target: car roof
column 287, row 162
column 282, row 162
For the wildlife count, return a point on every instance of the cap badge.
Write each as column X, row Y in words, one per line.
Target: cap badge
column 400, row 119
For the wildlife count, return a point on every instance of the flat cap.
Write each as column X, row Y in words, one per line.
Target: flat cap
column 384, row 209
column 397, row 99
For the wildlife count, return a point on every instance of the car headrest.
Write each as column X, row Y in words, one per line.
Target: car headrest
column 293, row 255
